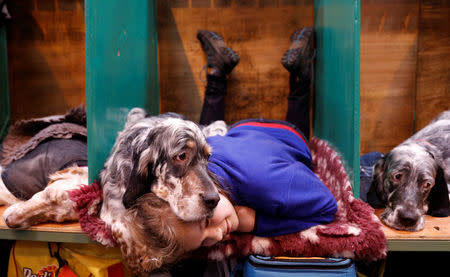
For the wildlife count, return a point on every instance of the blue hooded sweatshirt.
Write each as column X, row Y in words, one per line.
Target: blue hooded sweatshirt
column 266, row 165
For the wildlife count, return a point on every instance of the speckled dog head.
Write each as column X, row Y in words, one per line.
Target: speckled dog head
column 166, row 155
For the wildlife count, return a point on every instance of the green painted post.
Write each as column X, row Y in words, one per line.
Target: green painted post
column 4, row 88
column 336, row 118
column 121, row 70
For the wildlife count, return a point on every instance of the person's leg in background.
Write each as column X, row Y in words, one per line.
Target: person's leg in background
column 221, row 60
column 298, row 61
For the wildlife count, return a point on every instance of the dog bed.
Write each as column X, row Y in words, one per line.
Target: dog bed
column 355, row 233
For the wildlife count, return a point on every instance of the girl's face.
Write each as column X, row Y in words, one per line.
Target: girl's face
column 212, row 230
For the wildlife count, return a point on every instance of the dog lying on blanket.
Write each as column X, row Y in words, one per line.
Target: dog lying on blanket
column 413, row 178
column 35, row 172
column 151, row 152
column 42, row 159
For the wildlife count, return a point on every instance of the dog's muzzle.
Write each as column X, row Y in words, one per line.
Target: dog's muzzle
column 408, row 217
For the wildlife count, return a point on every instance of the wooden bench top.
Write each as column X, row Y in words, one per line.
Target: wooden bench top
column 55, row 232
column 434, row 237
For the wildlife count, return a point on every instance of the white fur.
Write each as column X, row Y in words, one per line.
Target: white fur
column 261, row 245
column 51, row 204
column 6, row 197
column 310, row 234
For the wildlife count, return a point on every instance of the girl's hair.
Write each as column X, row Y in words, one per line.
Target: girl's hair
column 153, row 231
column 156, row 244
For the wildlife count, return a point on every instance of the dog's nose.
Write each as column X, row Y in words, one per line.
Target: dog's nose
column 407, row 217
column 210, row 199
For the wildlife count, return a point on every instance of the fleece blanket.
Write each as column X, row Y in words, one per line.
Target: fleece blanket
column 355, row 233
column 25, row 135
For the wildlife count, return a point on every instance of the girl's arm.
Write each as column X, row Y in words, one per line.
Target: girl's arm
column 246, row 217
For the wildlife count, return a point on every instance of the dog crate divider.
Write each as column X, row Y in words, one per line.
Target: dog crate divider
column 4, row 87
column 121, row 70
column 336, row 95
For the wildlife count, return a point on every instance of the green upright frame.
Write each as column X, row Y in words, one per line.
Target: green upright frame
column 337, row 80
column 4, row 85
column 121, row 70
column 121, row 73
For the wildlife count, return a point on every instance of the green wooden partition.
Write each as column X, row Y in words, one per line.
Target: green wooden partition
column 4, row 89
column 336, row 108
column 121, row 70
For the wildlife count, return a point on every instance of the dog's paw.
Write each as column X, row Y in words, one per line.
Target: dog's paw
column 54, row 195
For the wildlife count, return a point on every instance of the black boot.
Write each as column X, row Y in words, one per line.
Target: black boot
column 298, row 58
column 220, row 58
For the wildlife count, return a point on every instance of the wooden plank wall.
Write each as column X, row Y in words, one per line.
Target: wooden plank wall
column 404, row 59
column 433, row 61
column 404, row 69
column 389, row 33
column 257, row 30
column 46, row 57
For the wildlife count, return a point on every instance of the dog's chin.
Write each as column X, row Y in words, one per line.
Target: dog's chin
column 390, row 218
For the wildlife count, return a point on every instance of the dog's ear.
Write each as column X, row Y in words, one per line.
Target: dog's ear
column 377, row 196
column 141, row 176
column 137, row 186
column 438, row 201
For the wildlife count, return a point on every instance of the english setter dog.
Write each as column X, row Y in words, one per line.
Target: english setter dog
column 164, row 155
column 413, row 178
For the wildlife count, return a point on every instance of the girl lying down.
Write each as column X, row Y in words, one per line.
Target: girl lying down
column 263, row 169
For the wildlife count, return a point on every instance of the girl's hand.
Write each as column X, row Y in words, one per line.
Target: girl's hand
column 246, row 217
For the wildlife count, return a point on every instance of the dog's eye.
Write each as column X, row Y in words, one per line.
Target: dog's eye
column 181, row 157
column 398, row 176
column 426, row 185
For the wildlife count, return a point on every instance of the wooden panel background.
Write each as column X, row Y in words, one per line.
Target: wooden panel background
column 257, row 30
column 404, row 59
column 46, row 57
column 388, row 67
column 404, row 69
column 433, row 61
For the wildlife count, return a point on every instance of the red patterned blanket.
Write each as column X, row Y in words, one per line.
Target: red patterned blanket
column 355, row 233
